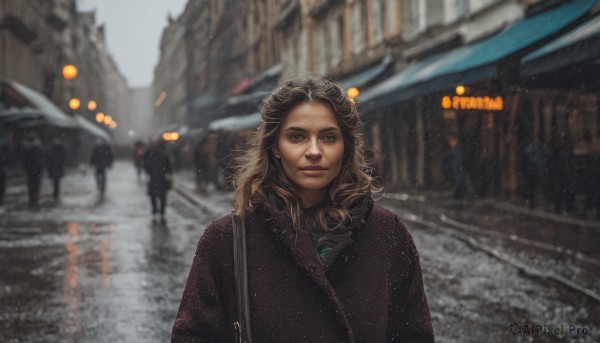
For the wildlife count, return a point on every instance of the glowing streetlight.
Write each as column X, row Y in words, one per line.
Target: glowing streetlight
column 69, row 72
column 460, row 90
column 92, row 105
column 113, row 125
column 74, row 104
column 353, row 92
column 107, row 120
column 100, row 117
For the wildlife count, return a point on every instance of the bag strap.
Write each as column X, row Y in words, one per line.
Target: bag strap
column 240, row 271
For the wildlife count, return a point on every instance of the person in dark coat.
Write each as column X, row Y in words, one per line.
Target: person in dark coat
column 324, row 263
column 139, row 151
column 533, row 169
column 453, row 162
column 102, row 158
column 33, row 161
column 3, row 162
column 56, row 158
column 158, row 166
column 561, row 173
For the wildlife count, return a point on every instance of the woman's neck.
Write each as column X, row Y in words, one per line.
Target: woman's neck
column 311, row 198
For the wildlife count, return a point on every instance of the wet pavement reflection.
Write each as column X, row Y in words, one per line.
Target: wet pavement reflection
column 95, row 269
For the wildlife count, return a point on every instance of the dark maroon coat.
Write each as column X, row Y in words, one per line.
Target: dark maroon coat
column 369, row 289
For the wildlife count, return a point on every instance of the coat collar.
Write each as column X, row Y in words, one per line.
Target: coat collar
column 300, row 246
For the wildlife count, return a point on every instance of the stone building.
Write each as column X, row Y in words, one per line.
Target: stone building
column 38, row 38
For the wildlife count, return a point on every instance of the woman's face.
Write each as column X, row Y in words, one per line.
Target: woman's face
column 311, row 149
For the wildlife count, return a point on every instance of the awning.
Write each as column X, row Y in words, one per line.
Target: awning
column 245, row 122
column 204, row 100
column 473, row 63
column 368, row 75
column 578, row 45
column 52, row 115
column 21, row 117
column 202, row 110
column 242, row 104
column 92, row 128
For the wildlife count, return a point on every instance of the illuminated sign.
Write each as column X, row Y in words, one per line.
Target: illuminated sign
column 481, row 103
column 170, row 136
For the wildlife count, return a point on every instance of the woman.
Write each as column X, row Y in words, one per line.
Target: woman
column 324, row 263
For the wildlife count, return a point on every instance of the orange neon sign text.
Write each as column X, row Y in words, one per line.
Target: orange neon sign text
column 482, row 103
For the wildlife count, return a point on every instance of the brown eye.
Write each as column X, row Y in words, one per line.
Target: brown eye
column 296, row 137
column 330, row 137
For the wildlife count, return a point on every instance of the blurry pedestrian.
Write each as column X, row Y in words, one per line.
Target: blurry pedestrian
column 158, row 165
column 56, row 158
column 453, row 162
column 3, row 162
column 139, row 151
column 202, row 167
column 561, row 164
column 317, row 246
column 33, row 157
column 591, row 175
column 533, row 169
column 102, row 158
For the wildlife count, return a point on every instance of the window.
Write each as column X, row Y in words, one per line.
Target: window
column 377, row 10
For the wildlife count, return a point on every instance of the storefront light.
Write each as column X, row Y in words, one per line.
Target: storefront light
column 170, row 136
column 100, row 117
column 460, row 90
column 92, row 105
column 74, row 104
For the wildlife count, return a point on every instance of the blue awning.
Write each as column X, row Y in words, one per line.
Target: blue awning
column 244, row 122
column 52, row 115
column 473, row 63
column 578, row 45
column 368, row 75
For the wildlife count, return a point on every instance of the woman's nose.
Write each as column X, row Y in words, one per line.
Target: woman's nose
column 313, row 150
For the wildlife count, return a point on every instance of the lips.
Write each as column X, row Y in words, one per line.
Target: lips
column 312, row 168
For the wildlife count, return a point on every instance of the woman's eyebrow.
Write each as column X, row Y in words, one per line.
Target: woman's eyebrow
column 295, row 128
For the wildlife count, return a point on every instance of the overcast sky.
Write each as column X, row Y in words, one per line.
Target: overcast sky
column 133, row 30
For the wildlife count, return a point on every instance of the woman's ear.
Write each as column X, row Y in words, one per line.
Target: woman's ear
column 276, row 152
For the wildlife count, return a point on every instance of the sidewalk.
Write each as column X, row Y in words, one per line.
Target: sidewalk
column 542, row 211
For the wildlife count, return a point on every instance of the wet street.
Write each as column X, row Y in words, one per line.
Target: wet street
column 100, row 269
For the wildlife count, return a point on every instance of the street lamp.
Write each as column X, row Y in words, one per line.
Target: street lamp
column 92, row 105
column 74, row 104
column 113, row 125
column 107, row 120
column 69, row 72
column 100, row 117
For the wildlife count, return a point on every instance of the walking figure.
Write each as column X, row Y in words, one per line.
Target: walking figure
column 453, row 163
column 56, row 158
column 533, row 169
column 102, row 158
column 139, row 151
column 3, row 162
column 561, row 171
column 33, row 156
column 158, row 166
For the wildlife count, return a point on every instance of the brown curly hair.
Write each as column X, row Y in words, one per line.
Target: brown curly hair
column 258, row 168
